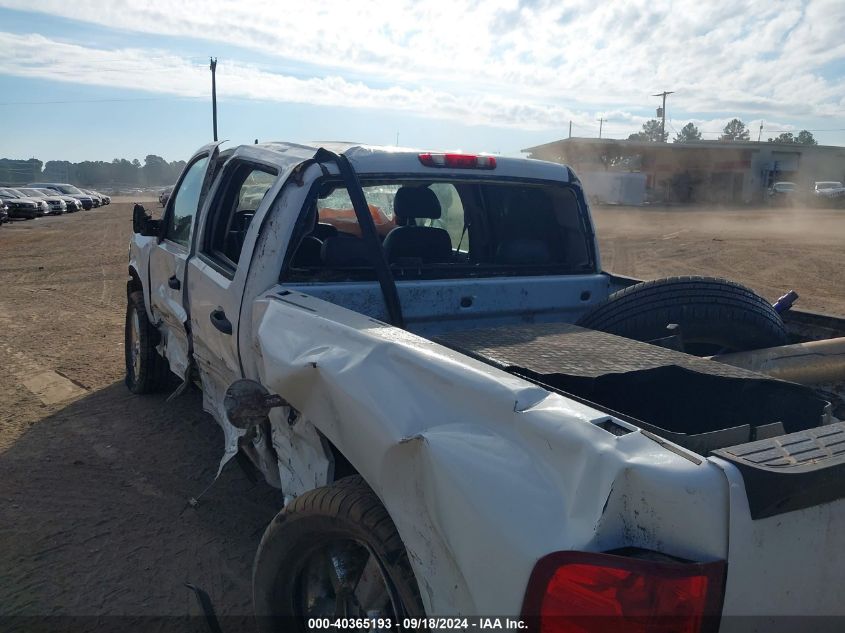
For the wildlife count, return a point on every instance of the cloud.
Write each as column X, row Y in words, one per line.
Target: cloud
column 160, row 72
column 535, row 63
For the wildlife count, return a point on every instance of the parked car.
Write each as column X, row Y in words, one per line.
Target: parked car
column 829, row 192
column 73, row 204
column 782, row 192
column 69, row 190
column 102, row 199
column 470, row 416
column 20, row 206
column 56, row 202
column 4, row 212
column 97, row 201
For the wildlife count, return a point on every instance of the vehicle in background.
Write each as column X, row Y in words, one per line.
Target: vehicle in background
column 782, row 192
column 103, row 200
column 4, row 212
column 55, row 201
column 20, row 207
column 69, row 190
column 97, row 201
column 829, row 191
column 73, row 204
column 164, row 196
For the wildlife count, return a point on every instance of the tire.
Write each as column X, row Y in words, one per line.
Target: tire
column 714, row 315
column 335, row 518
column 146, row 370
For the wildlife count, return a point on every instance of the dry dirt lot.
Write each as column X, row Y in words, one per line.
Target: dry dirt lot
column 94, row 482
column 770, row 250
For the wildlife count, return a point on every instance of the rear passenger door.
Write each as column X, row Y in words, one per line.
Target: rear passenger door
column 168, row 258
column 216, row 273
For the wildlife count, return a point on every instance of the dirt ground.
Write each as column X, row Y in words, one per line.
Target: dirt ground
column 94, row 482
column 770, row 250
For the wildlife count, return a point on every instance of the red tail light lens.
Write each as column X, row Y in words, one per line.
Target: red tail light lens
column 582, row 592
column 458, row 161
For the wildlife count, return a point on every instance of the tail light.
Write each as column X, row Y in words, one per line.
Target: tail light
column 458, row 161
column 583, row 592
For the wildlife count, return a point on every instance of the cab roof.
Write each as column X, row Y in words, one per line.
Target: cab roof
column 373, row 159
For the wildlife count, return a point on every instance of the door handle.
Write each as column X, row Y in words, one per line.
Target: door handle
column 174, row 282
column 219, row 320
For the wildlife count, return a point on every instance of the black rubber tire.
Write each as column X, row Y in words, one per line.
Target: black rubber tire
column 154, row 373
column 346, row 509
column 715, row 315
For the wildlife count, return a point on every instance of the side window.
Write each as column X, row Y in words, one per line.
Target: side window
column 185, row 203
column 245, row 187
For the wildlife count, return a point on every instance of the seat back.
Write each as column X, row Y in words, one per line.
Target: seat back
column 426, row 243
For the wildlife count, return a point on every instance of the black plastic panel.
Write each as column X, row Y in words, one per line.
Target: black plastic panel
column 792, row 471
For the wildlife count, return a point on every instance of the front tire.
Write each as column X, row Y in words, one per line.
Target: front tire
column 146, row 370
column 333, row 552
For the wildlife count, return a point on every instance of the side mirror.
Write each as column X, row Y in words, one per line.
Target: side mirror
column 143, row 223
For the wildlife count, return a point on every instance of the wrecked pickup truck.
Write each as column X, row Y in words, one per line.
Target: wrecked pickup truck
column 467, row 416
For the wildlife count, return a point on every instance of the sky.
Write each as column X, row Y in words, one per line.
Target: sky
column 97, row 80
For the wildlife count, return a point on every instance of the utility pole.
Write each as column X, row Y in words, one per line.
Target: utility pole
column 213, row 66
column 601, row 122
column 661, row 112
column 570, row 129
column 760, row 133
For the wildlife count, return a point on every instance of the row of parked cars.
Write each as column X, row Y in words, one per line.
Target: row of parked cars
column 824, row 192
column 47, row 198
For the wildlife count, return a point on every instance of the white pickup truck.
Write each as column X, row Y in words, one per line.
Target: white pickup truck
column 468, row 417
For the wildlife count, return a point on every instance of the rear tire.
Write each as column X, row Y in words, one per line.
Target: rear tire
column 343, row 527
column 714, row 315
column 146, row 370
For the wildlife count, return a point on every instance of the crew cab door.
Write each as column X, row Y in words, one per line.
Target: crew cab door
column 168, row 258
column 217, row 272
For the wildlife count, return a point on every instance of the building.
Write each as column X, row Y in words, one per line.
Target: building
column 699, row 171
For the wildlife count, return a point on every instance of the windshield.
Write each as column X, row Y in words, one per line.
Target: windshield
column 828, row 185
column 69, row 189
column 32, row 192
column 449, row 228
column 10, row 193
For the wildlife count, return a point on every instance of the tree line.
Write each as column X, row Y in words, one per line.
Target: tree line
column 735, row 130
column 154, row 172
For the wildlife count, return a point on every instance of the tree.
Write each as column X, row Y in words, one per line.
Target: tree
column 783, row 137
column 650, row 132
column 688, row 133
column 805, row 138
column 155, row 170
column 735, row 131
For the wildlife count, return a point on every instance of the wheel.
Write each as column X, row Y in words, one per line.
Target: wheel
column 715, row 315
column 333, row 552
column 146, row 370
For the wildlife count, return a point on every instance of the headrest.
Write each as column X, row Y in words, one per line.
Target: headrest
column 416, row 202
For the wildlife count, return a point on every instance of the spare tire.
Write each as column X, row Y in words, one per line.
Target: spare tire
column 715, row 315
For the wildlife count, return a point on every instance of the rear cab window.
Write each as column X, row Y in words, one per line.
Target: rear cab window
column 450, row 228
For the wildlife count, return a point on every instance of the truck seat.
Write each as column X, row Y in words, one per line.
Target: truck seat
column 407, row 241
